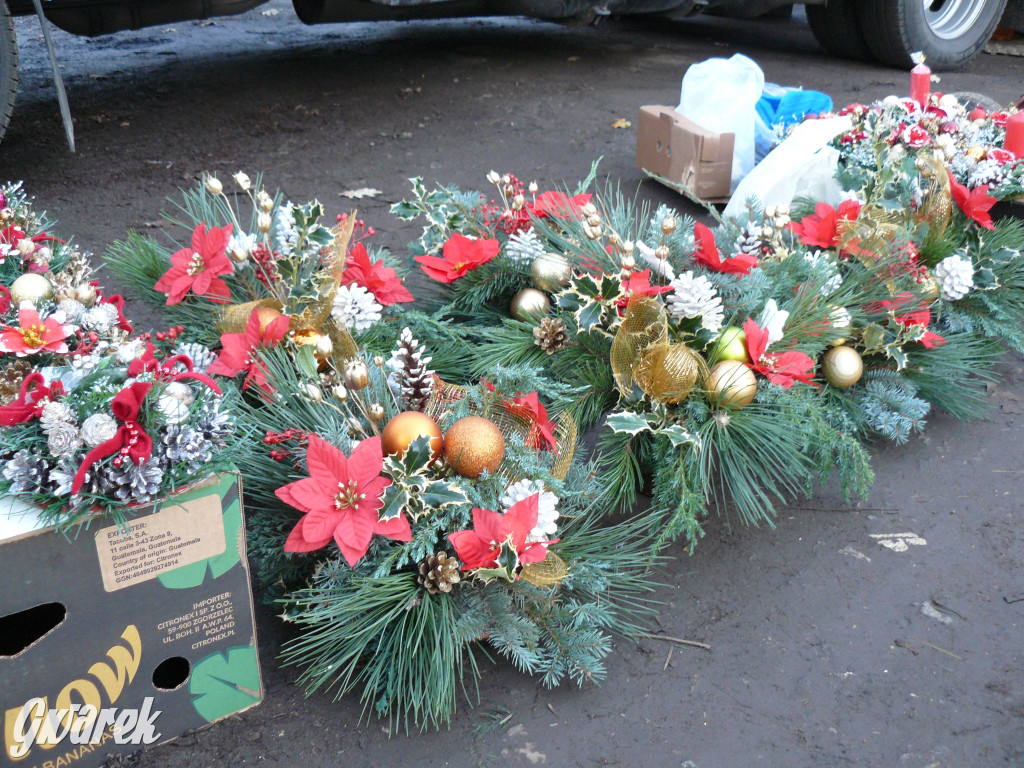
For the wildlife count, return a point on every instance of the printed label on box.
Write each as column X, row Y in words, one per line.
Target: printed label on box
column 178, row 535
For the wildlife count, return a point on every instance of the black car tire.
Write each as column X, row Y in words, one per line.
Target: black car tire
column 894, row 29
column 836, row 27
column 8, row 67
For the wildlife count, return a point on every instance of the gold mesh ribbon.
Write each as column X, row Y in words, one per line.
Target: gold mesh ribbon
column 876, row 229
column 445, row 395
column 642, row 355
column 315, row 315
column 548, row 572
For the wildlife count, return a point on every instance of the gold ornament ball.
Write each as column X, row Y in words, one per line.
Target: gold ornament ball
column 731, row 345
column 529, row 304
column 731, row 384
column 31, row 287
column 266, row 316
column 474, row 444
column 400, row 432
column 550, row 272
column 842, row 367
column 931, row 288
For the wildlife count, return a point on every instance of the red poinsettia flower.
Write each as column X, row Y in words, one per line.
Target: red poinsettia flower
column 822, row 228
column 493, row 533
column 558, row 205
column 920, row 316
column 35, row 335
column 542, row 429
column 638, row 284
column 975, row 203
column 459, row 256
column 782, row 368
column 707, row 254
column 341, row 499
column 383, row 282
column 238, row 350
column 198, row 269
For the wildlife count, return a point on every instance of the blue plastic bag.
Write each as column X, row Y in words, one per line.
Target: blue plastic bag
column 781, row 107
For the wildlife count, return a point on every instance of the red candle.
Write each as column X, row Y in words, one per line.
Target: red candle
column 920, row 84
column 1014, row 141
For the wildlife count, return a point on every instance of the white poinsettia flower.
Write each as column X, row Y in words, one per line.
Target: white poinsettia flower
column 773, row 320
column 547, row 507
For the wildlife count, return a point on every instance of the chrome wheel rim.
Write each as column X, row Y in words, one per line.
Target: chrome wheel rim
column 952, row 19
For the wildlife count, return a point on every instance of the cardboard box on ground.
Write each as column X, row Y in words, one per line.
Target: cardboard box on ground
column 157, row 619
column 682, row 152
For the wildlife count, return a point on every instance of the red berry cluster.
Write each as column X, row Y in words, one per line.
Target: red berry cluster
column 265, row 259
column 291, row 435
column 359, row 230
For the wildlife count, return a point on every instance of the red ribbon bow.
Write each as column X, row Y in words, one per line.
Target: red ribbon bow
column 130, row 440
column 27, row 405
column 164, row 371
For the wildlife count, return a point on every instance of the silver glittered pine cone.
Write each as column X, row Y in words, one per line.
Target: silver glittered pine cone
column 550, row 335
column 750, row 241
column 524, row 246
column 695, row 296
column 62, row 477
column 182, row 444
column 956, row 277
column 202, row 358
column 215, row 424
column 438, row 573
column 64, row 439
column 410, row 377
column 28, row 472
column 55, row 413
column 136, row 483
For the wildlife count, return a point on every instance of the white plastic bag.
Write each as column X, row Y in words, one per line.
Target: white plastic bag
column 719, row 95
column 802, row 165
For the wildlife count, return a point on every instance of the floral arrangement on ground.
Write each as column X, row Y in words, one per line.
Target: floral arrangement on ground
column 744, row 363
column 404, row 520
column 94, row 419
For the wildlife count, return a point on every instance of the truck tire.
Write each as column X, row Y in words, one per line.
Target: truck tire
column 8, row 67
column 836, row 27
column 950, row 33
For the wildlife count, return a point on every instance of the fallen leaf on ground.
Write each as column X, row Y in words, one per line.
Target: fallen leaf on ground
column 359, row 194
column 621, row 123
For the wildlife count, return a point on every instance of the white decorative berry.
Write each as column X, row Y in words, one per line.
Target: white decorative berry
column 694, row 296
column 98, row 428
column 547, row 507
column 524, row 246
column 55, row 413
column 956, row 277
column 355, row 308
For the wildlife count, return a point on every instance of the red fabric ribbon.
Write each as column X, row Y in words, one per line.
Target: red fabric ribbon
column 130, row 440
column 164, row 371
column 26, row 406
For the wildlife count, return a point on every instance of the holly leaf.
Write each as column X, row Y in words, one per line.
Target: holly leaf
column 680, row 437
column 226, row 682
column 418, row 456
column 396, row 498
column 629, row 423
column 985, row 280
column 441, row 493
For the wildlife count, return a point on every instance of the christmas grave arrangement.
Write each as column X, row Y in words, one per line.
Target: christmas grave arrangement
column 94, row 420
column 406, row 524
column 411, row 527
column 52, row 311
column 747, row 361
